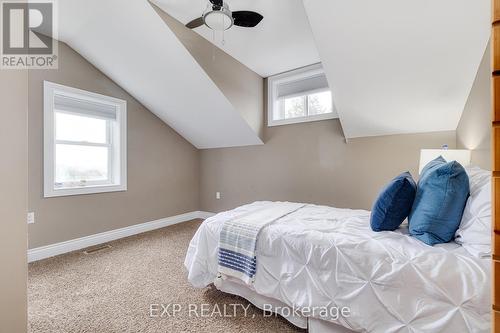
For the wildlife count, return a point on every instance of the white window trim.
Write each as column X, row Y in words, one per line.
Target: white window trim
column 50, row 89
column 272, row 90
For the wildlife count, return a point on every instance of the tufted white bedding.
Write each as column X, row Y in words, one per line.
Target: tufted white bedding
column 320, row 256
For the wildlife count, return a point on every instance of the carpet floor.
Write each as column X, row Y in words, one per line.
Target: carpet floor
column 123, row 288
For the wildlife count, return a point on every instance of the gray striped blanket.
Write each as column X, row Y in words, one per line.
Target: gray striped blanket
column 238, row 239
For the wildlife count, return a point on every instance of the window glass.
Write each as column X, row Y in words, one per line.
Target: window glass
column 295, row 107
column 320, row 103
column 75, row 163
column 72, row 127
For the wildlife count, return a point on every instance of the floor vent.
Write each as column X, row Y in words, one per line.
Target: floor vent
column 97, row 248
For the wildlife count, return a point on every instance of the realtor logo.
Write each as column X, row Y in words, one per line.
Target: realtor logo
column 28, row 35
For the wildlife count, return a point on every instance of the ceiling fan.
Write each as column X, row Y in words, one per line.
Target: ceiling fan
column 218, row 17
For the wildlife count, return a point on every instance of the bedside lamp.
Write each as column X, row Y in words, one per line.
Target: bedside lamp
column 462, row 156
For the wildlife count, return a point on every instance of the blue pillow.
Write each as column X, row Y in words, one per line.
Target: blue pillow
column 394, row 203
column 442, row 193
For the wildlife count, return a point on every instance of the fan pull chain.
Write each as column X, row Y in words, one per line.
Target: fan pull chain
column 213, row 45
column 223, row 24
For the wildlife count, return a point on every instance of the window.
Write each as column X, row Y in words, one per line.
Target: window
column 85, row 142
column 299, row 96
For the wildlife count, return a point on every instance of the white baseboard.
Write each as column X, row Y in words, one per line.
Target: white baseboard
column 103, row 237
column 204, row 215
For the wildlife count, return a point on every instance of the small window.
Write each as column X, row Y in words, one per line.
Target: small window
column 85, row 142
column 299, row 96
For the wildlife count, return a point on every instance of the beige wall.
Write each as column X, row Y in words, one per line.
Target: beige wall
column 13, row 200
column 474, row 129
column 241, row 86
column 163, row 168
column 311, row 162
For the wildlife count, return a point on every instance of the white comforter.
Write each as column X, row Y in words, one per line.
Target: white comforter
column 321, row 256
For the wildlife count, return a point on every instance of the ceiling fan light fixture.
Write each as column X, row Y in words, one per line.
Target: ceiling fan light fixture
column 218, row 17
column 219, row 20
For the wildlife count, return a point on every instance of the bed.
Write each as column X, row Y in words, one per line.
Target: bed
column 319, row 257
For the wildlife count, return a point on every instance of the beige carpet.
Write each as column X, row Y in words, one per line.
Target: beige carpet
column 112, row 290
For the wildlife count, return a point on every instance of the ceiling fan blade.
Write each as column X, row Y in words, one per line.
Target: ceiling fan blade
column 218, row 3
column 195, row 23
column 245, row 18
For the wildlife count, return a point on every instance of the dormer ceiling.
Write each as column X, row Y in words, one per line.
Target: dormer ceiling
column 388, row 62
column 131, row 44
column 399, row 66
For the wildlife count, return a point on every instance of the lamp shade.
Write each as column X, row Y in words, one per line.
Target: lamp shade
column 462, row 156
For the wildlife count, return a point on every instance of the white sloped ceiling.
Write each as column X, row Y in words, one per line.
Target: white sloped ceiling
column 128, row 42
column 399, row 66
column 282, row 41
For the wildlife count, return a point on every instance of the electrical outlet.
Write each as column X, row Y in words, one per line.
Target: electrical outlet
column 217, row 195
column 31, row 217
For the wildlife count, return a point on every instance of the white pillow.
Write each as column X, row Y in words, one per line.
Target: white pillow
column 474, row 232
column 477, row 178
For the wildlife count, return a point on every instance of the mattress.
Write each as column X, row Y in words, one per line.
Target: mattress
column 322, row 257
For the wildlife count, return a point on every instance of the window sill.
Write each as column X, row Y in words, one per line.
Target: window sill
column 90, row 189
column 297, row 120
